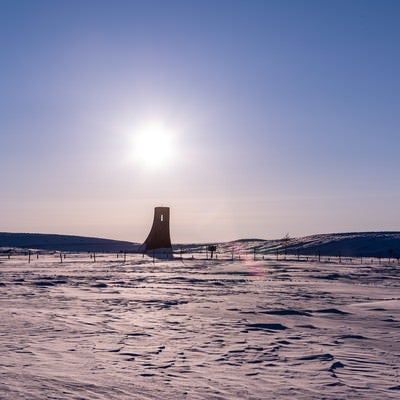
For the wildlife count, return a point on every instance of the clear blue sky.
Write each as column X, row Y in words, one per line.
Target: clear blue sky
column 284, row 116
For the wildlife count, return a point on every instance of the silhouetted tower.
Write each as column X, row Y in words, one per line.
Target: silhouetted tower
column 159, row 237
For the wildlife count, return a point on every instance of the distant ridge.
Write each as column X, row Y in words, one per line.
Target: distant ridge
column 54, row 242
column 350, row 244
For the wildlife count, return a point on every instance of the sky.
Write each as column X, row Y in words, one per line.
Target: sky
column 264, row 118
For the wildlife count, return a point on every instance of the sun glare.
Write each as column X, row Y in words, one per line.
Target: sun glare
column 154, row 147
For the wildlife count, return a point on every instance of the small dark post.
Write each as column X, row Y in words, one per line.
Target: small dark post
column 37, row 256
column 124, row 256
column 29, row 256
column 254, row 254
column 319, row 256
column 61, row 258
column 232, row 255
column 94, row 256
column 212, row 249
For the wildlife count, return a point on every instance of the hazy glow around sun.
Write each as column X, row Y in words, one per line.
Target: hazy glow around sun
column 154, row 146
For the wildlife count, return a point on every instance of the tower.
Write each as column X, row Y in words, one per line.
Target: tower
column 159, row 237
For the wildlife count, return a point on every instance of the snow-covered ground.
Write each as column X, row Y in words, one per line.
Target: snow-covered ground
column 198, row 329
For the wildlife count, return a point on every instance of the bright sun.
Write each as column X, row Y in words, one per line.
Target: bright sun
column 154, row 147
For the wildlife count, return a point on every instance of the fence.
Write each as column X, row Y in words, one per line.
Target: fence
column 197, row 253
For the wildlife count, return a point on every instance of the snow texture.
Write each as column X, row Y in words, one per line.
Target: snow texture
column 197, row 329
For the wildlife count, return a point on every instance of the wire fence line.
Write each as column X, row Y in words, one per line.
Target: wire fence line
column 198, row 253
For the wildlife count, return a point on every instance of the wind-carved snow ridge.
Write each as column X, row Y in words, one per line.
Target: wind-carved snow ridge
column 197, row 329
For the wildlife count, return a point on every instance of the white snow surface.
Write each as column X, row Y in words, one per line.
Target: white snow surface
column 198, row 329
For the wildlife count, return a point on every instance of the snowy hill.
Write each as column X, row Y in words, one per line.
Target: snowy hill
column 356, row 244
column 63, row 242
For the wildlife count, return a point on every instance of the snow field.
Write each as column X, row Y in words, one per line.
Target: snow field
column 197, row 329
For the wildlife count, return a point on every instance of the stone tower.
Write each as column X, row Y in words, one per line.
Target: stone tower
column 159, row 237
